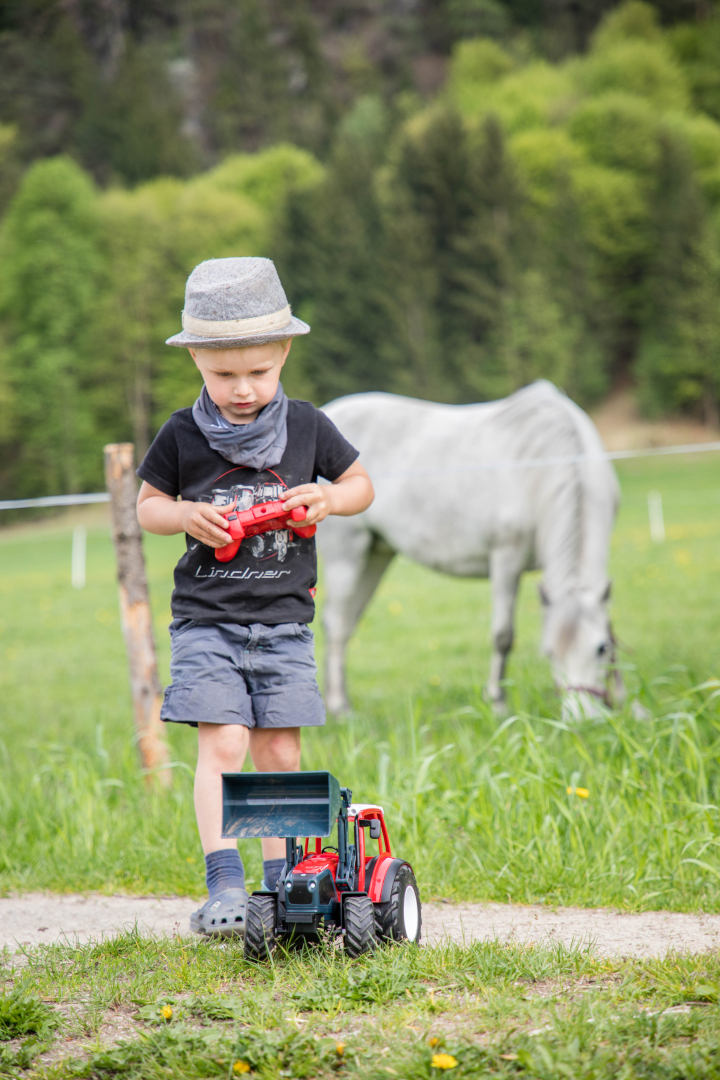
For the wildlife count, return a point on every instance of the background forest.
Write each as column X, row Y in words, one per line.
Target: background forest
column 461, row 196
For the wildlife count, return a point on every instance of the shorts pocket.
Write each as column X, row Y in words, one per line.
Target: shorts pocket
column 179, row 626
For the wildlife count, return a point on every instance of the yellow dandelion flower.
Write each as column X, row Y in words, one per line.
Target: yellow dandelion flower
column 581, row 792
column 443, row 1061
column 241, row 1067
column 434, row 1041
column 339, row 1049
column 166, row 1012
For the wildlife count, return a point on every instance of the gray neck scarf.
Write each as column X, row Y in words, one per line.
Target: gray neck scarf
column 259, row 444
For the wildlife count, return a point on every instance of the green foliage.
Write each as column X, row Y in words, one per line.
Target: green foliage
column 154, row 236
column 476, row 65
column 77, row 83
column 137, row 89
column 329, row 249
column 639, row 67
column 49, row 264
column 22, row 1013
column 520, row 224
column 10, row 170
column 526, row 98
column 265, row 177
column 697, row 46
column 514, row 231
column 91, row 285
column 202, row 1054
column 679, row 357
column 632, row 21
column 619, row 130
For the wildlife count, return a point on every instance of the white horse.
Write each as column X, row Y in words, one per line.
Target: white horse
column 486, row 490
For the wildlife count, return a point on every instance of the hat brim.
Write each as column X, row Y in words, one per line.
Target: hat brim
column 186, row 340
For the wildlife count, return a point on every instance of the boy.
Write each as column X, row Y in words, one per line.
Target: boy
column 243, row 670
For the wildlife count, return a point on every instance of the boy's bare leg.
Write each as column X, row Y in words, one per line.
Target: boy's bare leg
column 221, row 748
column 275, row 750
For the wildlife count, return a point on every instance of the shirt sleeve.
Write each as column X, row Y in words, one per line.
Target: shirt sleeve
column 161, row 465
column 333, row 453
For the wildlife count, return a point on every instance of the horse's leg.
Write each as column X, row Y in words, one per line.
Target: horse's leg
column 506, row 566
column 353, row 563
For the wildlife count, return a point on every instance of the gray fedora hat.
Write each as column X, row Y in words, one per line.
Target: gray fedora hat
column 235, row 302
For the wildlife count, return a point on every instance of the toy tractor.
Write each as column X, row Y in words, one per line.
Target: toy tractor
column 365, row 896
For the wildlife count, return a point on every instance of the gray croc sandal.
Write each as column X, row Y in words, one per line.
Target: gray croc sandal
column 221, row 916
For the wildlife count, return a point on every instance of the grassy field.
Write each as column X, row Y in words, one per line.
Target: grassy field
column 148, row 1009
column 480, row 808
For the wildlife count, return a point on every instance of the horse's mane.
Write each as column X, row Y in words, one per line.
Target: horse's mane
column 544, row 426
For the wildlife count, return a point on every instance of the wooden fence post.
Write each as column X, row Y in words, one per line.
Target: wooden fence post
column 135, row 611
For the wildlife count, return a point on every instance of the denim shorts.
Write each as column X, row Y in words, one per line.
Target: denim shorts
column 259, row 676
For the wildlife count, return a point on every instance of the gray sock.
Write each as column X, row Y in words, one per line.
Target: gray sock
column 224, row 870
column 272, row 869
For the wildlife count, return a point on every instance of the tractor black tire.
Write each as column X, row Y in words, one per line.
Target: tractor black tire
column 400, row 917
column 359, row 925
column 260, row 922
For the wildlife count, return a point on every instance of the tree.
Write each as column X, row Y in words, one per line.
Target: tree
column 484, row 284
column 697, row 46
column 50, row 262
column 329, row 246
column 427, row 207
column 678, row 363
column 454, row 221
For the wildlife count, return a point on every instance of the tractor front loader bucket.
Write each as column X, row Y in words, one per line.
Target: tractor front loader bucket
column 280, row 804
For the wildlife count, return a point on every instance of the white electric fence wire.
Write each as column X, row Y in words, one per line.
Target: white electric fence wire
column 568, row 459
column 655, row 517
column 55, row 500
column 79, row 554
column 488, row 466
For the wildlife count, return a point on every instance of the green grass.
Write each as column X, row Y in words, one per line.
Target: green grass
column 480, row 808
column 147, row 1008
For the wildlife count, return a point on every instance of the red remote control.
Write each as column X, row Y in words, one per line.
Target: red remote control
column 265, row 517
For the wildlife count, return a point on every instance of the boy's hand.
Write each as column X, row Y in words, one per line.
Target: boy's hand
column 351, row 493
column 316, row 497
column 206, row 523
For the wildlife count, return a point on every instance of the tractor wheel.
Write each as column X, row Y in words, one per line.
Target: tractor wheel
column 359, row 925
column 260, row 922
column 400, row 918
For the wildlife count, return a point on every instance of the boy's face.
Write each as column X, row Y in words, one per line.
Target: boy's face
column 242, row 381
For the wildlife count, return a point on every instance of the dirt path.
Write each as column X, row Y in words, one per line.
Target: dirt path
column 40, row 917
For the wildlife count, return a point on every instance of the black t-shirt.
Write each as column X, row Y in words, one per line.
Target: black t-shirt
column 272, row 578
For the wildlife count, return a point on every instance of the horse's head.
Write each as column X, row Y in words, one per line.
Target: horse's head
column 578, row 639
